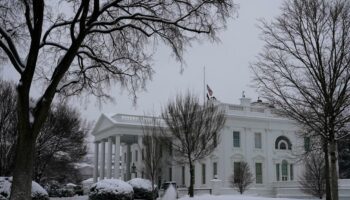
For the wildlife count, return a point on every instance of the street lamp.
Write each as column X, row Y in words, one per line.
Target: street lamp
column 133, row 171
column 133, row 168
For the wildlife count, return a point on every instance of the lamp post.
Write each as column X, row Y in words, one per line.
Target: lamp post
column 133, row 171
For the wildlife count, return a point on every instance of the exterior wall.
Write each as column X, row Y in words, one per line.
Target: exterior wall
column 247, row 118
column 139, row 164
column 247, row 123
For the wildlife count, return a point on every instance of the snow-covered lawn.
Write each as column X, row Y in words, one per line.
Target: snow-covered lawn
column 231, row 197
column 71, row 198
column 202, row 197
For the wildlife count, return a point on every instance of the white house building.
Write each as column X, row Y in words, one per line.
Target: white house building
column 252, row 133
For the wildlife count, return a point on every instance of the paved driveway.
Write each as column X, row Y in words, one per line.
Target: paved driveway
column 71, row 198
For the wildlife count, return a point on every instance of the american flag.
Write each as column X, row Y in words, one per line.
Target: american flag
column 210, row 92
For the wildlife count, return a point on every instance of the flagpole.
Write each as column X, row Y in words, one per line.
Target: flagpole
column 203, row 85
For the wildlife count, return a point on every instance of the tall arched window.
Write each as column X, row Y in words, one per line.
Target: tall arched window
column 283, row 143
column 284, row 170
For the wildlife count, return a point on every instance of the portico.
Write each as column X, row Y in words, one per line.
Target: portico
column 113, row 135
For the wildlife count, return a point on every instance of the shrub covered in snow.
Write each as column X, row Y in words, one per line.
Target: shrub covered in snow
column 143, row 189
column 111, row 189
column 38, row 193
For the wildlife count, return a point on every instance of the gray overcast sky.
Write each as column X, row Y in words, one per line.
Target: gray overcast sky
column 226, row 63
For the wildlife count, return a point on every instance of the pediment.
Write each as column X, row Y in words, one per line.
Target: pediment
column 237, row 157
column 214, row 157
column 102, row 123
column 258, row 158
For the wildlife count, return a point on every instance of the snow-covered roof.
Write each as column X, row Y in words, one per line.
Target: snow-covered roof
column 108, row 125
column 71, row 185
column 82, row 165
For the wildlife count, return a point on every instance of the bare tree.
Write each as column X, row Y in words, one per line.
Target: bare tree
column 83, row 46
column 192, row 129
column 241, row 177
column 304, row 71
column 63, row 132
column 60, row 144
column 313, row 179
column 151, row 150
column 8, row 122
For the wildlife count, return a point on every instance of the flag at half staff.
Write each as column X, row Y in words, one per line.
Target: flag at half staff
column 210, row 92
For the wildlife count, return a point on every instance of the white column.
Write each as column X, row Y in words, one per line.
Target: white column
column 128, row 161
column 96, row 162
column 280, row 171
column 288, row 172
column 117, row 157
column 102, row 167
column 109, row 157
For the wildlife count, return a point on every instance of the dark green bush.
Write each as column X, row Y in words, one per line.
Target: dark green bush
column 143, row 189
column 111, row 189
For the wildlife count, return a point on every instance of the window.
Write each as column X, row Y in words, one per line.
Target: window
column 291, row 172
column 204, row 142
column 143, row 154
column 170, row 149
column 136, row 155
column 258, row 173
column 203, row 174
column 159, row 180
column 170, row 174
column 307, row 144
column 257, row 138
column 130, row 156
column 125, row 157
column 236, row 169
column 183, row 175
column 236, row 139
column 284, row 170
column 278, row 172
column 283, row 143
column 215, row 139
column 215, row 170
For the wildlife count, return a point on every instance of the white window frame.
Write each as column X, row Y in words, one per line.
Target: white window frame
column 239, row 139
column 285, row 143
column 259, row 144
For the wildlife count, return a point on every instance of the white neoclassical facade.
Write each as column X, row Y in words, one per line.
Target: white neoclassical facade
column 252, row 133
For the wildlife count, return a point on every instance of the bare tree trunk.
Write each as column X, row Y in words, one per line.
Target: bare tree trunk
column 328, row 182
column 191, row 189
column 333, row 167
column 24, row 155
column 153, row 195
column 22, row 176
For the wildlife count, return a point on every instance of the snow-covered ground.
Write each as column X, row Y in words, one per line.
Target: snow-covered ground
column 71, row 198
column 231, row 197
column 202, row 197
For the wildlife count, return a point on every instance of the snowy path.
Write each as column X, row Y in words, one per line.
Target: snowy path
column 71, row 198
column 232, row 197
column 202, row 197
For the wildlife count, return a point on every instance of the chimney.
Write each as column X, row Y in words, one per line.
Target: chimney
column 245, row 101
